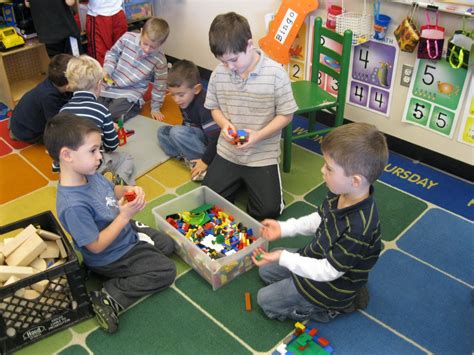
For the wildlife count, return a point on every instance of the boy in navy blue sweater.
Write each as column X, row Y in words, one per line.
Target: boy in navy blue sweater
column 196, row 139
column 41, row 103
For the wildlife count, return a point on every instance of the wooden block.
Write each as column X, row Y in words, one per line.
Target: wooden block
column 11, row 279
column 11, row 246
column 31, row 294
column 47, row 235
column 19, row 271
column 62, row 249
column 51, row 251
column 40, row 286
column 38, row 264
column 27, row 252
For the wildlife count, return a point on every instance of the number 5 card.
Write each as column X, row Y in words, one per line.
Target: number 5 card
column 435, row 96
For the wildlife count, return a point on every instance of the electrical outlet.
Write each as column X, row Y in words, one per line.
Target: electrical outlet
column 407, row 72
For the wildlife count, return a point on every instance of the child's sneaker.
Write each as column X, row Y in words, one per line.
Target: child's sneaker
column 200, row 176
column 106, row 310
column 55, row 167
column 361, row 300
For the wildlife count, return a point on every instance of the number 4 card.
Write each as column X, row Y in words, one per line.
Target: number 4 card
column 435, row 96
column 372, row 76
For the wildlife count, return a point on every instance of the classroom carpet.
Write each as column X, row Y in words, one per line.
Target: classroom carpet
column 421, row 289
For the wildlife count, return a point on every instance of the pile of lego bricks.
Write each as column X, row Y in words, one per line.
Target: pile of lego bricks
column 304, row 340
column 212, row 230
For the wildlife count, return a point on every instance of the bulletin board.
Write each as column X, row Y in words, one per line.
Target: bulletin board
column 435, row 96
column 372, row 74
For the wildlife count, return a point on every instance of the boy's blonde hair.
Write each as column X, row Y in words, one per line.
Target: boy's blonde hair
column 359, row 148
column 156, row 29
column 83, row 73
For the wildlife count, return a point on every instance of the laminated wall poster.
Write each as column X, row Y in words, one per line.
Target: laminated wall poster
column 372, row 74
column 466, row 131
column 435, row 96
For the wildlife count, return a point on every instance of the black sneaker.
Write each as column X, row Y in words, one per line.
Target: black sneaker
column 361, row 300
column 55, row 167
column 104, row 311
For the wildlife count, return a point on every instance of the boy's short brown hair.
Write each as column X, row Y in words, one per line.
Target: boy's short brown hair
column 156, row 29
column 183, row 72
column 57, row 69
column 359, row 148
column 229, row 33
column 66, row 130
column 83, row 73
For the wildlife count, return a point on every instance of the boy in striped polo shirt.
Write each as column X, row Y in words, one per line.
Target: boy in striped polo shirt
column 251, row 92
column 84, row 75
column 131, row 64
column 329, row 275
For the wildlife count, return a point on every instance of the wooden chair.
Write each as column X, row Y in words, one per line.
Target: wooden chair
column 310, row 97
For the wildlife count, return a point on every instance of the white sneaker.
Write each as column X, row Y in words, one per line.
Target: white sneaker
column 200, row 176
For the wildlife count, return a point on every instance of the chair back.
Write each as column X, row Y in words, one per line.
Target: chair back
column 342, row 58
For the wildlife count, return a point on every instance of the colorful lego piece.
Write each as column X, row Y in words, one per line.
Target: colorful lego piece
column 130, row 196
column 248, row 302
column 240, row 137
column 304, row 341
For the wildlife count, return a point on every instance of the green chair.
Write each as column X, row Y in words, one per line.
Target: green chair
column 310, row 97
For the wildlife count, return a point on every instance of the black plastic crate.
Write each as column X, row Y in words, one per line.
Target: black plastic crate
column 63, row 303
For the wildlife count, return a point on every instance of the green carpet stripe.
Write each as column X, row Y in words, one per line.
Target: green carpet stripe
column 165, row 323
column 227, row 305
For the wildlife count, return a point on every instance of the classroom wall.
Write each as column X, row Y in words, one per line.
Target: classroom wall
column 190, row 20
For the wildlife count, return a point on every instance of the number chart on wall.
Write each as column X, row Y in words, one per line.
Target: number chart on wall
column 435, row 96
column 372, row 75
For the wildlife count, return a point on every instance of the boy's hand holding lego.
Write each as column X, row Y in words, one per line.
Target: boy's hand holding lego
column 157, row 115
column 271, row 229
column 262, row 257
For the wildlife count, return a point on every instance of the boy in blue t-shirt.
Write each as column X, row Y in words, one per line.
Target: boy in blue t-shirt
column 196, row 139
column 132, row 256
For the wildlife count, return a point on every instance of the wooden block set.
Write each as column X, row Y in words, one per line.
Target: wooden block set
column 30, row 252
column 42, row 285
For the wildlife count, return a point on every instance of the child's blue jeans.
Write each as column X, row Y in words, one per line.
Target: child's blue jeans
column 281, row 300
column 185, row 141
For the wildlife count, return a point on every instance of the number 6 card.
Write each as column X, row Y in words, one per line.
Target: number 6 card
column 435, row 96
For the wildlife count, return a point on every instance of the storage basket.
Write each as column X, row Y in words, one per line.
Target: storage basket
column 62, row 304
column 359, row 23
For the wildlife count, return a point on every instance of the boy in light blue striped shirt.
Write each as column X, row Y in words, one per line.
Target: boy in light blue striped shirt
column 132, row 63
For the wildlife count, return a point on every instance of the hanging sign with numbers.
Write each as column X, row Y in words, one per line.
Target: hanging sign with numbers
column 435, row 96
column 372, row 75
column 466, row 132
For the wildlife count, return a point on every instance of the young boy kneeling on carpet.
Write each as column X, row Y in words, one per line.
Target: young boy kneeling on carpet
column 329, row 275
column 196, row 139
column 84, row 75
column 98, row 217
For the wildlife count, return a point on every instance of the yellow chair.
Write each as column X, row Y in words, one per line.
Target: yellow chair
column 310, row 97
